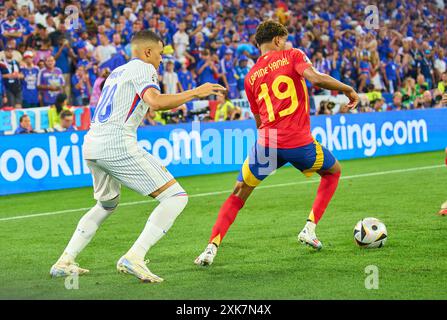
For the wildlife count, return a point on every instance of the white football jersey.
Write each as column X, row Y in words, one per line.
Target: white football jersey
column 120, row 110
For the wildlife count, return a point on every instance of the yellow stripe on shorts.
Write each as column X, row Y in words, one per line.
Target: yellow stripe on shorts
column 248, row 176
column 319, row 159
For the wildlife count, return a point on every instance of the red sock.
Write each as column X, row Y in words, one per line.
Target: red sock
column 326, row 190
column 227, row 214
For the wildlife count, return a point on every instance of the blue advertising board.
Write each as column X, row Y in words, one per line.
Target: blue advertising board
column 54, row 161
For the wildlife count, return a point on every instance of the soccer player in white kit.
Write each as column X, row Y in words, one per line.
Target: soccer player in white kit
column 114, row 158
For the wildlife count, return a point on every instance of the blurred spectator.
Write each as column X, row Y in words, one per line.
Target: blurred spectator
column 11, row 28
column 81, row 87
column 427, row 100
column 152, row 118
column 391, row 73
column 50, row 82
column 226, row 110
column 41, row 14
column 408, row 91
column 62, row 54
column 373, row 94
column 118, row 44
column 437, row 99
column 16, row 55
column 424, row 64
column 251, row 22
column 24, row 125
column 66, row 122
column 44, row 51
column 29, row 84
column 440, row 64
column 105, row 50
column 207, row 70
column 164, row 33
column 241, row 71
column 41, row 64
column 336, row 65
column 326, row 107
column 397, row 102
column 55, row 110
column 181, row 42
column 442, row 85
column 185, row 78
column 36, row 38
column 379, row 105
column 364, row 70
column 229, row 71
column 97, row 87
column 171, row 84
column 12, row 77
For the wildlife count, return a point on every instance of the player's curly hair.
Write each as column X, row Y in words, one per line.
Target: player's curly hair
column 268, row 30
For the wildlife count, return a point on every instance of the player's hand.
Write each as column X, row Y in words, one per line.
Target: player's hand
column 353, row 98
column 209, row 89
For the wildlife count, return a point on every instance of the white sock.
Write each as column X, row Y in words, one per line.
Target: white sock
column 444, row 205
column 310, row 226
column 84, row 232
column 172, row 202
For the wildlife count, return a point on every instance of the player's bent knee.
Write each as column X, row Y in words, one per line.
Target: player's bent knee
column 110, row 205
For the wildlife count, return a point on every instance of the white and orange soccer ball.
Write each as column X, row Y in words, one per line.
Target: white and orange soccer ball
column 370, row 233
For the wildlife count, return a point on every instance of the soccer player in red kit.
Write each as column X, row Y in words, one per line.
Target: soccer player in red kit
column 278, row 97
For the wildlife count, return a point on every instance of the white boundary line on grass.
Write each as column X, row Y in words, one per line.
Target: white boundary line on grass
column 356, row 176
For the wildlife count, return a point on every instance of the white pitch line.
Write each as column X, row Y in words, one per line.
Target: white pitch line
column 355, row 176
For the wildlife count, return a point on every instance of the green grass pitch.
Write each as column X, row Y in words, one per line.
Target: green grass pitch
column 260, row 257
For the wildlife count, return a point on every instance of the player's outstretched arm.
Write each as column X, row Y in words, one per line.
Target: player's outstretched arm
column 159, row 101
column 327, row 82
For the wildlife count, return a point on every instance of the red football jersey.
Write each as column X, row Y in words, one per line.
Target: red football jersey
column 276, row 90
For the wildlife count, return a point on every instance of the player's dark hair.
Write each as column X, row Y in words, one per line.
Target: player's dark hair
column 146, row 35
column 268, row 30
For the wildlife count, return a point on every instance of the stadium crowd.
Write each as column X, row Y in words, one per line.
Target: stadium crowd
column 54, row 47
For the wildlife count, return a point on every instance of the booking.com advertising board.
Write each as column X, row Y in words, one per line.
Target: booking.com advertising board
column 54, row 161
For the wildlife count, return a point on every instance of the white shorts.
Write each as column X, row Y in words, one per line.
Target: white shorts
column 138, row 171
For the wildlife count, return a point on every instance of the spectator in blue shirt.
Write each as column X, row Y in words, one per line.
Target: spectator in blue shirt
column 81, row 87
column 185, row 78
column 224, row 47
column 397, row 102
column 228, row 69
column 228, row 29
column 164, row 33
column 336, row 65
column 391, row 73
column 364, row 71
column 251, row 22
column 206, row 69
column 24, row 125
column 11, row 28
column 241, row 71
column 62, row 54
column 196, row 47
column 29, row 83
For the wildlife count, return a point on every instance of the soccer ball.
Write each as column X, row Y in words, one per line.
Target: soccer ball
column 370, row 233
